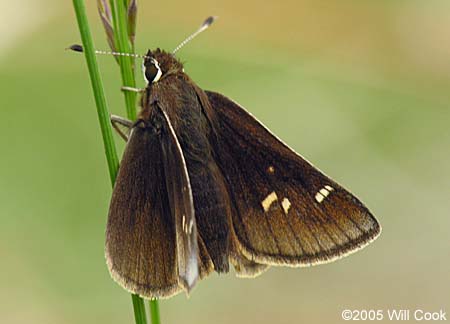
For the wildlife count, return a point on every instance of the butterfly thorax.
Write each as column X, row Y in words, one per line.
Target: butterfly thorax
column 171, row 90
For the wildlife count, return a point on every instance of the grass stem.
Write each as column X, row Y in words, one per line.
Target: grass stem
column 139, row 309
column 154, row 311
column 122, row 43
column 118, row 10
column 104, row 117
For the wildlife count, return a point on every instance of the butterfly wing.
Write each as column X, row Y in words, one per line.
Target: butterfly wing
column 286, row 211
column 182, row 205
column 151, row 250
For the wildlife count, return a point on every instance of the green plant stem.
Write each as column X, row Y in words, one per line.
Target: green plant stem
column 119, row 14
column 127, row 73
column 154, row 311
column 104, row 120
column 97, row 87
column 139, row 309
column 118, row 11
column 122, row 45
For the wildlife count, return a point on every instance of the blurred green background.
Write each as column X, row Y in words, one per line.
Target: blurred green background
column 360, row 88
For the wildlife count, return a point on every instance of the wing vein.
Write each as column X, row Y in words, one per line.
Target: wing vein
column 323, row 218
column 313, row 233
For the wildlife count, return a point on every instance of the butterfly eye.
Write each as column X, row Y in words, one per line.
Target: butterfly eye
column 152, row 71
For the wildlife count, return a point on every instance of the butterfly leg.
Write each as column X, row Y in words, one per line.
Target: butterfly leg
column 131, row 89
column 118, row 122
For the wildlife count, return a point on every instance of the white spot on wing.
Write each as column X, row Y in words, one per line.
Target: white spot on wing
column 271, row 169
column 319, row 197
column 323, row 193
column 269, row 200
column 286, row 204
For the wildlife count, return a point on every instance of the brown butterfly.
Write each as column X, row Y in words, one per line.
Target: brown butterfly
column 203, row 184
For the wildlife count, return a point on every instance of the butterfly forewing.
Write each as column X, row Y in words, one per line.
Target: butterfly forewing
column 140, row 234
column 287, row 211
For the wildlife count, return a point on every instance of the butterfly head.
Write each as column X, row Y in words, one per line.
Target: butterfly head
column 158, row 64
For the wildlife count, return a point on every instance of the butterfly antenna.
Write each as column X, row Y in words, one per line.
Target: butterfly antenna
column 79, row 48
column 203, row 27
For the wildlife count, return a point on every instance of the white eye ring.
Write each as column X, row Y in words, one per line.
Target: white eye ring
column 143, row 72
column 158, row 74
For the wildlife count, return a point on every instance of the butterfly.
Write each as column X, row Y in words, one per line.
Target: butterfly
column 203, row 185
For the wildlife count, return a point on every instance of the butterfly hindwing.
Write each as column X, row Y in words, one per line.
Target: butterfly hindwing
column 286, row 210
